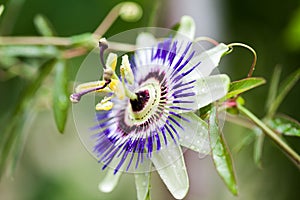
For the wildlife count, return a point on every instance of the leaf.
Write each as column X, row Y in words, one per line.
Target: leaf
column 43, row 25
column 273, row 87
column 244, row 142
column 11, row 133
column 285, row 125
column 21, row 128
column 243, row 85
column 60, row 95
column 286, row 86
column 220, row 154
column 258, row 146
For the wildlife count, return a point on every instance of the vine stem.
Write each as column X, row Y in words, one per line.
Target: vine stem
column 269, row 132
column 35, row 40
column 108, row 21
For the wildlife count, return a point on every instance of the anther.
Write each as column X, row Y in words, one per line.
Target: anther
column 75, row 97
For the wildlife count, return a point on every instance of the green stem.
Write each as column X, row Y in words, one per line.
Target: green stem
column 269, row 132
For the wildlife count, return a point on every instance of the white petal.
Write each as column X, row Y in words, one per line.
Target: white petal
column 142, row 183
column 194, row 134
column 207, row 90
column 170, row 165
column 145, row 40
column 209, row 59
column 210, row 89
column 187, row 28
column 110, row 181
column 142, row 180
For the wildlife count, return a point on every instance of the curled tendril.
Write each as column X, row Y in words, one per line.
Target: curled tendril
column 252, row 68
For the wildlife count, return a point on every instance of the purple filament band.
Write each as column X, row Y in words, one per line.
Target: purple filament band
column 75, row 98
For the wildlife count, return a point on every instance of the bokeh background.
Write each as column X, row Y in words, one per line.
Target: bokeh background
column 54, row 166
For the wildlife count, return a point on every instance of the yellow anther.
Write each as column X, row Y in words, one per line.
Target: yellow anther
column 126, row 71
column 111, row 61
column 117, row 87
column 91, row 85
column 104, row 105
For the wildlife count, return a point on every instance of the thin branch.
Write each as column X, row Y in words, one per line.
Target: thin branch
column 241, row 121
column 61, row 41
column 35, row 40
column 71, row 53
column 121, row 46
column 269, row 132
column 108, row 21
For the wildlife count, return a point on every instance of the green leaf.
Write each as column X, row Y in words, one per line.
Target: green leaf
column 286, row 86
column 61, row 95
column 244, row 142
column 11, row 133
column 273, row 87
column 43, row 25
column 285, row 125
column 25, row 121
column 258, row 146
column 220, row 154
column 238, row 87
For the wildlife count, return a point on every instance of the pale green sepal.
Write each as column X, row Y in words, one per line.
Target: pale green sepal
column 170, row 166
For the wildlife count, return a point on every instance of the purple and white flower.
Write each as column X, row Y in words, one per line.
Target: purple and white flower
column 148, row 113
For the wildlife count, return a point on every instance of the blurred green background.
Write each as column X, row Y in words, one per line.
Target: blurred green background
column 55, row 166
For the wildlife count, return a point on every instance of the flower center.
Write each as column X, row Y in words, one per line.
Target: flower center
column 145, row 105
column 139, row 103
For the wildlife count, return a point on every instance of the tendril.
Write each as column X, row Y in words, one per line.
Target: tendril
column 252, row 68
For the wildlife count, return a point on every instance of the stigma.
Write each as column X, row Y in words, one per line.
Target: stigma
column 110, row 84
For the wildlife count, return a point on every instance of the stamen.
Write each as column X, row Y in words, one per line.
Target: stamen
column 105, row 104
column 128, row 74
column 75, row 97
column 128, row 93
